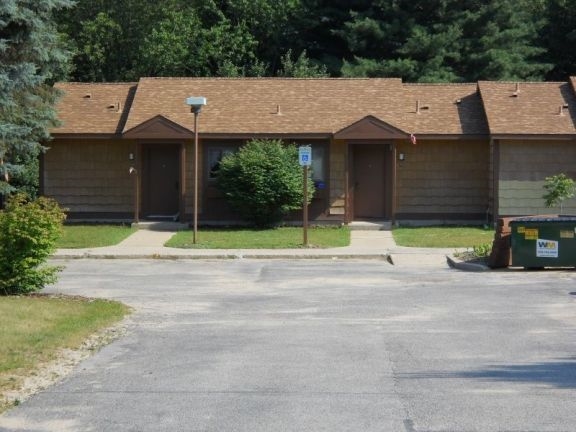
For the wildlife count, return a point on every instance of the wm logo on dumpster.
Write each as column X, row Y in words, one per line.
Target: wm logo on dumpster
column 546, row 248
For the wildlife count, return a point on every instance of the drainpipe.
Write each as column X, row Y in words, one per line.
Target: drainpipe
column 495, row 155
column 394, row 177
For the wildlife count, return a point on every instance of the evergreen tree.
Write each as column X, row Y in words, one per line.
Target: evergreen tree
column 444, row 40
column 413, row 39
column 559, row 38
column 31, row 58
column 500, row 43
column 319, row 26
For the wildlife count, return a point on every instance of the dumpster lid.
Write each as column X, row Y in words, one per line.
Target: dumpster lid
column 538, row 219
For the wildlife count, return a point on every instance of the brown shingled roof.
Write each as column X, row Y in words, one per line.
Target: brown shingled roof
column 529, row 108
column 268, row 105
column 288, row 106
column 314, row 106
column 451, row 109
column 93, row 108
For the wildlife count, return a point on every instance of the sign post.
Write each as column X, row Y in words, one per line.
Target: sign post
column 305, row 160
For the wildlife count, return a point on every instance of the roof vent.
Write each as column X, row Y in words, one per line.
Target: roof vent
column 458, row 101
column 516, row 92
column 562, row 108
column 420, row 107
column 278, row 110
column 87, row 96
column 114, row 107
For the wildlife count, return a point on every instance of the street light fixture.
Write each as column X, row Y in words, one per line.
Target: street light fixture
column 196, row 104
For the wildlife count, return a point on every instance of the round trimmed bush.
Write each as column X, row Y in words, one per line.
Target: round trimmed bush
column 263, row 181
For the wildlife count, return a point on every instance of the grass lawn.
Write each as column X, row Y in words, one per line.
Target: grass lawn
column 34, row 328
column 89, row 236
column 278, row 238
column 443, row 237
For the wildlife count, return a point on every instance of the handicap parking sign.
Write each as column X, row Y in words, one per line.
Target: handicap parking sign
column 305, row 155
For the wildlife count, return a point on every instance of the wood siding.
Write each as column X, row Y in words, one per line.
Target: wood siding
column 492, row 179
column 443, row 178
column 90, row 176
column 524, row 165
column 337, row 174
column 189, row 197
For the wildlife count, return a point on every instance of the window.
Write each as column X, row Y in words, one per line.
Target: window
column 215, row 156
column 318, row 174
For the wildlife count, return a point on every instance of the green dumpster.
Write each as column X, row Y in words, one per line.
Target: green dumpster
column 544, row 241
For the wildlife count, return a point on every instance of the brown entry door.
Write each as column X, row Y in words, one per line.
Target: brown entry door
column 161, row 181
column 369, row 181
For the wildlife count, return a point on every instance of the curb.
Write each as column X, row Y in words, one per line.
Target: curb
column 465, row 266
column 239, row 256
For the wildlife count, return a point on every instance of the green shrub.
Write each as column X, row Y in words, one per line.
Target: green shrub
column 263, row 181
column 482, row 250
column 558, row 188
column 28, row 234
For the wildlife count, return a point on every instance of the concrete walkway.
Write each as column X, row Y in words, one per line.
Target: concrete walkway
column 363, row 245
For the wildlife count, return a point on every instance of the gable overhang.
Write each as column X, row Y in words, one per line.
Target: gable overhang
column 534, row 137
column 264, row 135
column 369, row 128
column 158, row 127
column 91, row 136
column 450, row 137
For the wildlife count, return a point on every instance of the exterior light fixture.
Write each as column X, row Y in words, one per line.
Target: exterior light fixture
column 196, row 104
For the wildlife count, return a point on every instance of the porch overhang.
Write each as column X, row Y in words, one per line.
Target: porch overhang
column 158, row 127
column 369, row 128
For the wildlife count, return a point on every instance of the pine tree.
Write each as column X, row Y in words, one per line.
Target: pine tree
column 31, row 58
column 500, row 43
column 559, row 38
column 445, row 40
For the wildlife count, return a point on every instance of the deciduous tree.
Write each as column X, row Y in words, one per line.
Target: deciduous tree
column 28, row 234
column 558, row 188
column 302, row 67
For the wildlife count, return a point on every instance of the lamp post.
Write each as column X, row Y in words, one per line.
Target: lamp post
column 196, row 104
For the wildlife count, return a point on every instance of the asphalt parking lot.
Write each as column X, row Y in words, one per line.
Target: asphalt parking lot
column 319, row 345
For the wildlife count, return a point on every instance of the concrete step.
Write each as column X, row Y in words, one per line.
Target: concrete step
column 160, row 226
column 375, row 225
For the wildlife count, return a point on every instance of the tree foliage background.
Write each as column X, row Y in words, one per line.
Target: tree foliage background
column 417, row 40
